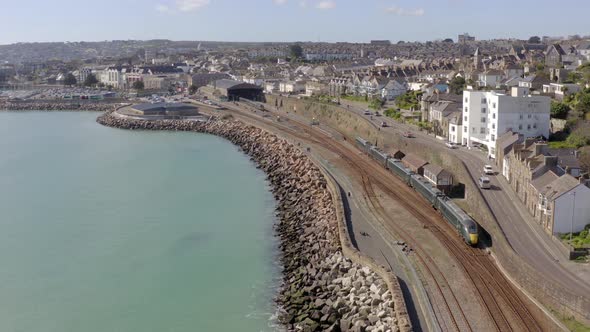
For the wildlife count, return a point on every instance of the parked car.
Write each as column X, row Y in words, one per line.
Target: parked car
column 383, row 124
column 367, row 112
column 408, row 134
column 377, row 114
column 488, row 170
column 451, row 145
column 484, row 182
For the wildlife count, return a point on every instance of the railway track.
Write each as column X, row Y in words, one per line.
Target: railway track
column 505, row 308
column 497, row 295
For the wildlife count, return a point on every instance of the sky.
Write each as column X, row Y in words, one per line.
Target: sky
column 287, row 20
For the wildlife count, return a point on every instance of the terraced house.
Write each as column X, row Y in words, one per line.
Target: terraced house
column 545, row 180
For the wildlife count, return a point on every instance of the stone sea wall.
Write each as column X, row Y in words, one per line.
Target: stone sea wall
column 58, row 105
column 322, row 289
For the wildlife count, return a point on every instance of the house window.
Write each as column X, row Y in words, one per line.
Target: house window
column 482, row 130
column 473, row 130
column 493, row 138
column 483, row 110
column 466, row 109
column 466, row 100
column 465, row 118
column 493, row 115
column 453, row 129
column 494, row 105
column 465, row 129
column 530, row 115
column 520, row 127
column 528, row 127
column 534, row 125
column 483, row 101
column 493, row 126
column 520, row 116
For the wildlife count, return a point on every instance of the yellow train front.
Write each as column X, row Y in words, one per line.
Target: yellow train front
column 460, row 220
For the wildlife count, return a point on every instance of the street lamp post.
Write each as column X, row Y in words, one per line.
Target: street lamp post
column 573, row 213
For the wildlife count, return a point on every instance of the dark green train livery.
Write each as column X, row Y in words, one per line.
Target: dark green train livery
column 424, row 187
column 379, row 156
column 455, row 216
column 397, row 167
column 462, row 222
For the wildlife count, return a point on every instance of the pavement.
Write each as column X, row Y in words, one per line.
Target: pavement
column 524, row 235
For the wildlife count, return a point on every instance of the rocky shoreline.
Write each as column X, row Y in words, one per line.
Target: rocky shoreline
column 322, row 290
column 47, row 106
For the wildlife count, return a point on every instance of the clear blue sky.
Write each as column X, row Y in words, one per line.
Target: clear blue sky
column 288, row 20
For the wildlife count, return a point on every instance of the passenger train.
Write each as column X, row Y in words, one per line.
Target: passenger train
column 455, row 216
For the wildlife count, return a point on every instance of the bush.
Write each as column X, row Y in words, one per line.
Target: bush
column 393, row 113
column 579, row 240
column 409, row 100
column 559, row 110
column 375, row 104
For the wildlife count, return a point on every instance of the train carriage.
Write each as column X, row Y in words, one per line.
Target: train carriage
column 379, row 156
column 363, row 144
column 425, row 188
column 397, row 168
column 462, row 222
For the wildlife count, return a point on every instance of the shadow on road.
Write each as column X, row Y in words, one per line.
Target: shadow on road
column 495, row 188
column 347, row 217
column 485, row 239
column 410, row 305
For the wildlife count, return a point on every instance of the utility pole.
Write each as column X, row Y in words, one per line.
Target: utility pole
column 573, row 213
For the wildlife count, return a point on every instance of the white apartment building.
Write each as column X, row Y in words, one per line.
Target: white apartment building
column 111, row 77
column 489, row 114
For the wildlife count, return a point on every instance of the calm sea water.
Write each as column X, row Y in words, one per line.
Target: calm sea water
column 111, row 230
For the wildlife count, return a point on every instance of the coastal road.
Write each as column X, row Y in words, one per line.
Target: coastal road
column 525, row 236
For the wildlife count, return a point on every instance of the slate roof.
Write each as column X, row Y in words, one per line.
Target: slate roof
column 414, row 160
column 436, row 170
column 507, row 139
column 163, row 106
column 560, row 186
column 544, row 180
column 231, row 84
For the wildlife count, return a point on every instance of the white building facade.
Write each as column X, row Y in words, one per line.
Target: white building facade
column 487, row 115
column 571, row 210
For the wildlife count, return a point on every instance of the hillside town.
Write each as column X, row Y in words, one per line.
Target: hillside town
column 522, row 107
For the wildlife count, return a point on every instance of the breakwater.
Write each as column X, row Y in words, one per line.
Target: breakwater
column 57, row 105
column 322, row 289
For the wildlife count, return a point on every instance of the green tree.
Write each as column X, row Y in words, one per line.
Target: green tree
column 448, row 40
column 457, row 85
column 90, row 80
column 573, row 77
column 193, row 89
column 375, row 103
column 534, row 40
column 296, row 51
column 138, row 85
column 70, row 80
column 584, row 71
column 583, row 102
column 559, row 110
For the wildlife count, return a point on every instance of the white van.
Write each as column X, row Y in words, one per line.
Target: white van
column 484, row 182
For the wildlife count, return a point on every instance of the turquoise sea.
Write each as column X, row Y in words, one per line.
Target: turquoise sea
column 110, row 230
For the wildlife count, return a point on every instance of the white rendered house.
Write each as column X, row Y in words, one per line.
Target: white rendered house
column 489, row 114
